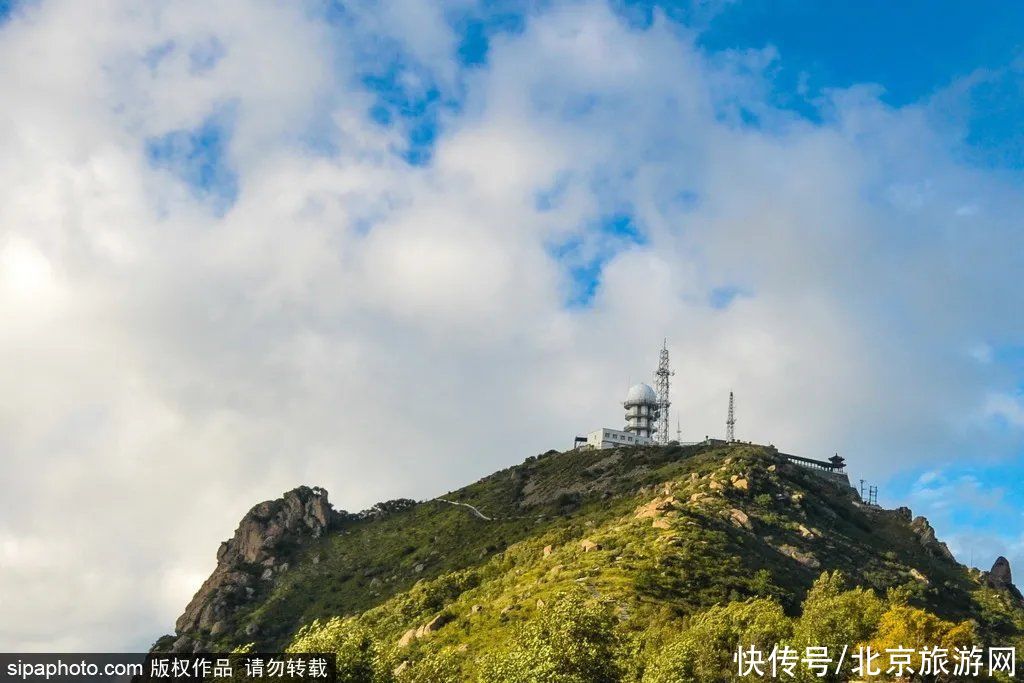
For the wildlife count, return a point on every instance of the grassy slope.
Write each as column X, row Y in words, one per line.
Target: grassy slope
column 400, row 571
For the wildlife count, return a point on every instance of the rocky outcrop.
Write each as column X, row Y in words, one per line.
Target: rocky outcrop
column 656, row 508
column 740, row 519
column 434, row 624
column 807, row 533
column 926, row 534
column 257, row 553
column 426, row 629
column 806, row 559
column 1000, row 574
column 1000, row 578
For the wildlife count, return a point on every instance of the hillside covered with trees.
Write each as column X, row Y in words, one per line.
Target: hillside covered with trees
column 648, row 564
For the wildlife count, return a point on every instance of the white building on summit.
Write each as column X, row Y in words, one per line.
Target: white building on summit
column 641, row 406
column 646, row 414
column 611, row 438
column 642, row 412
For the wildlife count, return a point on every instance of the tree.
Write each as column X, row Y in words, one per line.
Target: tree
column 358, row 657
column 574, row 640
column 835, row 618
column 435, row 667
column 704, row 651
column 903, row 626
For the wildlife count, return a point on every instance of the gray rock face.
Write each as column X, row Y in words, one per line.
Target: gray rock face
column 926, row 534
column 265, row 534
column 1000, row 578
column 301, row 512
column 1000, row 573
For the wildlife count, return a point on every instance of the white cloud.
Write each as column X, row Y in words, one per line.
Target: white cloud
column 943, row 493
column 976, row 518
column 981, row 352
column 385, row 329
column 1006, row 407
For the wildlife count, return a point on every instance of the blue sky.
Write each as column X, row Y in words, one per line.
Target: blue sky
column 910, row 53
column 910, row 50
column 262, row 224
column 962, row 63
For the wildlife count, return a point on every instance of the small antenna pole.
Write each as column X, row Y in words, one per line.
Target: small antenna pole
column 661, row 387
column 730, row 422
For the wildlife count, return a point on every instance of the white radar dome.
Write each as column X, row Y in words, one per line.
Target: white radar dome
column 640, row 394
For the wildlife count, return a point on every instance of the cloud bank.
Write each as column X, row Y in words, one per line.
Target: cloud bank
column 390, row 250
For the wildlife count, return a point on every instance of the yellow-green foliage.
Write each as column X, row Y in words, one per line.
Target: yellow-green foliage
column 998, row 610
column 575, row 640
column 439, row 667
column 579, row 638
column 903, row 626
column 358, row 656
column 423, row 599
column 652, row 599
column 834, row 618
column 703, row 652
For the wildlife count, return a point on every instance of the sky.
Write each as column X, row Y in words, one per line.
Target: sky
column 389, row 248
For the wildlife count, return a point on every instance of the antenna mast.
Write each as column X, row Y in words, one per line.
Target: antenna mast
column 661, row 387
column 730, row 422
column 679, row 431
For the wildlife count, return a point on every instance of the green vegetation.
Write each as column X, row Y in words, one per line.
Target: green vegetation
column 573, row 641
column 704, row 649
column 642, row 565
column 581, row 638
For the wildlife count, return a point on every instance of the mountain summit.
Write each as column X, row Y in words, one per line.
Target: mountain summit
column 638, row 544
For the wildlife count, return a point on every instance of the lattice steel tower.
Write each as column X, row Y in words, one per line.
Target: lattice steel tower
column 661, row 386
column 730, row 422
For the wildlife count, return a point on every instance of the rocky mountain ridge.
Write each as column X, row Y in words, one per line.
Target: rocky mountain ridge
column 266, row 537
column 677, row 529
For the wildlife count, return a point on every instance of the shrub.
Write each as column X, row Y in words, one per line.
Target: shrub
column 358, row 655
column 909, row 627
column 835, row 618
column 704, row 651
column 437, row 667
column 574, row 640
